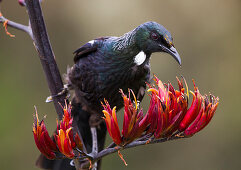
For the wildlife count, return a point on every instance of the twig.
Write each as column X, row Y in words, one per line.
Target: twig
column 94, row 145
column 111, row 150
column 16, row 25
column 111, row 145
column 46, row 55
column 108, row 151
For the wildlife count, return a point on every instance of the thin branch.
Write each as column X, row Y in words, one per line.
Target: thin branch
column 133, row 144
column 111, row 145
column 46, row 55
column 16, row 25
column 94, row 145
column 108, row 151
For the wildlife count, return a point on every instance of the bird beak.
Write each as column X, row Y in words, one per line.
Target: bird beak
column 173, row 52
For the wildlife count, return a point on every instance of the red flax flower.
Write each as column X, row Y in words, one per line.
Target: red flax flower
column 172, row 113
column 167, row 108
column 134, row 123
column 168, row 113
column 65, row 141
column 204, row 116
column 42, row 139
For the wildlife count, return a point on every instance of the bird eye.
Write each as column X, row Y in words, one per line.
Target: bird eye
column 154, row 36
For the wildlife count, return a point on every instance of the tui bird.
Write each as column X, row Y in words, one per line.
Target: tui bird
column 102, row 67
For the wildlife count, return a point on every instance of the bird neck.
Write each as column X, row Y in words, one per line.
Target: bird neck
column 126, row 41
column 127, row 49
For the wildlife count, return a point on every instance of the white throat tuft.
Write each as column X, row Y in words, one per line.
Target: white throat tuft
column 140, row 58
column 91, row 42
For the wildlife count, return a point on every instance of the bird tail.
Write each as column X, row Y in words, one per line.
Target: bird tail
column 81, row 117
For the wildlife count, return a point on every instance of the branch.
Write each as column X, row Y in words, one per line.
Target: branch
column 38, row 33
column 94, row 145
column 16, row 25
column 113, row 149
column 46, row 55
column 108, row 151
column 47, row 58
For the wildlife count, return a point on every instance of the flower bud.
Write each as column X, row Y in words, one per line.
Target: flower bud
column 21, row 2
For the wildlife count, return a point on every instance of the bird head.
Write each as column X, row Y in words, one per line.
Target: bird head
column 152, row 37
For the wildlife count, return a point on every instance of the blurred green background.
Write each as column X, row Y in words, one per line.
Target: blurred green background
column 207, row 35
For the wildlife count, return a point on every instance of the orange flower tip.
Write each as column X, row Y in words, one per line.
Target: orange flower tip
column 105, row 100
column 195, row 87
column 5, row 25
column 121, row 91
column 180, row 84
column 105, row 112
column 34, row 130
column 155, row 78
column 186, row 86
column 36, row 111
column 179, row 135
column 148, row 141
column 193, row 94
column 148, row 84
column 90, row 162
column 160, row 84
column 134, row 99
column 152, row 90
column 121, row 156
column 68, row 130
column 170, row 93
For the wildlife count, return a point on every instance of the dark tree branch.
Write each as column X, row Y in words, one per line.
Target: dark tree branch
column 38, row 33
column 46, row 55
column 47, row 58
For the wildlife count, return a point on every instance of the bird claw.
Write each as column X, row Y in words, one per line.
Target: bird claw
column 64, row 91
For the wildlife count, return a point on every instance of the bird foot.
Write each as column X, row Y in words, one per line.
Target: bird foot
column 64, row 91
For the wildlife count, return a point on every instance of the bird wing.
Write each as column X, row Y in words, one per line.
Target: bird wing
column 88, row 48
